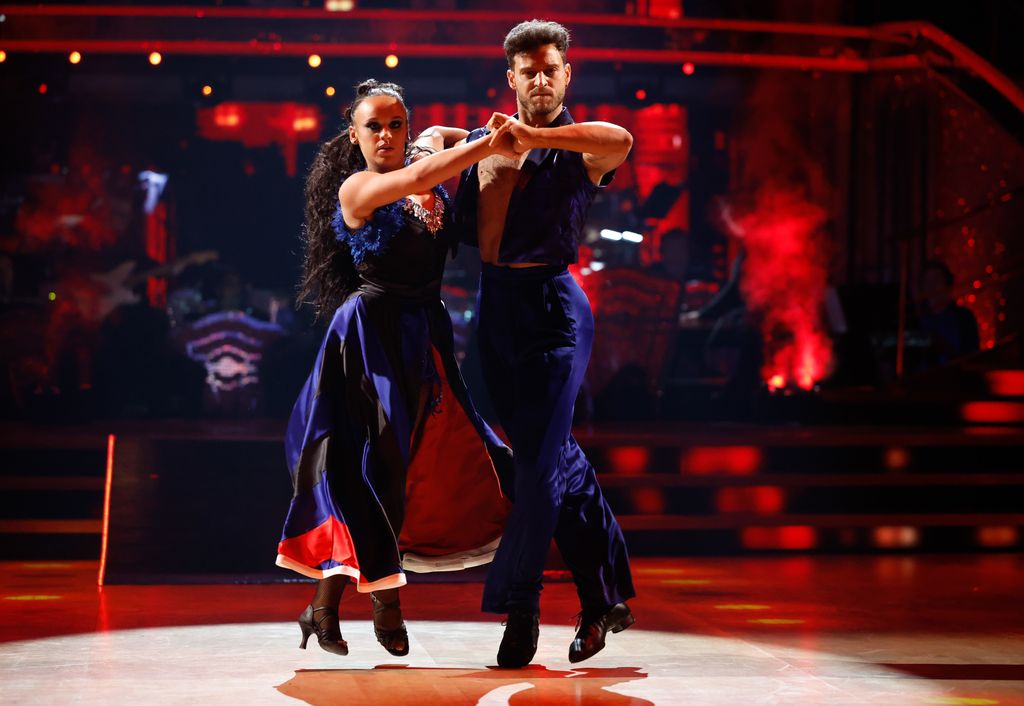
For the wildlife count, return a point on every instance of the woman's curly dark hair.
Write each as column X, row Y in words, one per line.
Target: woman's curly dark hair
column 328, row 271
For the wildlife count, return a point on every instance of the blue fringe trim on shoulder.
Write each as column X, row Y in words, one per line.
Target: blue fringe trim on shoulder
column 373, row 237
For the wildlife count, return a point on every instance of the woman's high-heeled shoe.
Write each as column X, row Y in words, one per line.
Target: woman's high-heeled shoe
column 328, row 632
column 394, row 640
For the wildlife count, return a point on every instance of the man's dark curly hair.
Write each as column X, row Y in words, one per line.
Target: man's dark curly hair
column 529, row 35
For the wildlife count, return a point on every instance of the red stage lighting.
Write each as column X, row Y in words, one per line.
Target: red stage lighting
column 727, row 460
column 896, row 458
column 896, row 537
column 1006, row 383
column 998, row 536
column 792, row 537
column 628, row 460
column 993, row 412
column 760, row 500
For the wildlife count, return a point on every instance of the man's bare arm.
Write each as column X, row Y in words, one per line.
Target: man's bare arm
column 604, row 145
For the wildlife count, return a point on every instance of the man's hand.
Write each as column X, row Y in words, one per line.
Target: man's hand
column 503, row 142
column 524, row 136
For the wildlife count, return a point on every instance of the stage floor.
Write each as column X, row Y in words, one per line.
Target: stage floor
column 746, row 631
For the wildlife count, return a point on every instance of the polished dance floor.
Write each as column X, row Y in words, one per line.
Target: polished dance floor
column 850, row 630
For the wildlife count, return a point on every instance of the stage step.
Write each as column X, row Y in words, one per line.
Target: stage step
column 51, row 495
column 830, row 489
column 677, row 489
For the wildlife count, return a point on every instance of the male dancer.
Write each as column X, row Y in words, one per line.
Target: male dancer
column 535, row 331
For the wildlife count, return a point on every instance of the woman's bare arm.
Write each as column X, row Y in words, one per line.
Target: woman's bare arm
column 364, row 192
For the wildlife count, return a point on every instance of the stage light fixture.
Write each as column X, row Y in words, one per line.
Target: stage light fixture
column 329, row 91
column 155, row 58
column 641, row 94
column 314, row 60
column 3, row 56
column 43, row 88
column 391, row 61
column 339, row 5
column 689, row 68
column 207, row 90
column 75, row 57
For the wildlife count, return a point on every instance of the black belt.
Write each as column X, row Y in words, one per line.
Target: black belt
column 416, row 294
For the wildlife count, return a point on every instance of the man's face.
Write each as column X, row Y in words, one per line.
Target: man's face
column 539, row 78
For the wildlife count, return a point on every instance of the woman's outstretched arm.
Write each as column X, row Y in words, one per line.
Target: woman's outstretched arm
column 363, row 192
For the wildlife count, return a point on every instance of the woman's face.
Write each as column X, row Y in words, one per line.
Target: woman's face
column 380, row 128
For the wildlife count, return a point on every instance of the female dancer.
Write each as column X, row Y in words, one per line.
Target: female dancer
column 392, row 468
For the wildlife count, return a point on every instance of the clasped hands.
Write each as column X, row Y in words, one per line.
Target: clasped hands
column 511, row 137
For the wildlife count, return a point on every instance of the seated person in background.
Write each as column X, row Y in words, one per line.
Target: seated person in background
column 953, row 328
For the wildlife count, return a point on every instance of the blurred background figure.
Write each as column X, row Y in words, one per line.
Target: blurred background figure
column 952, row 328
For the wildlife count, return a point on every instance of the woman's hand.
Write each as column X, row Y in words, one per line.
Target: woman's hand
column 523, row 136
column 502, row 141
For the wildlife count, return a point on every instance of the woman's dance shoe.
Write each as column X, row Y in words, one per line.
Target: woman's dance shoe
column 394, row 640
column 328, row 633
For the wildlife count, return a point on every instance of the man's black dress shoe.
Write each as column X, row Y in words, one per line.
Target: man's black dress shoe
column 519, row 643
column 593, row 627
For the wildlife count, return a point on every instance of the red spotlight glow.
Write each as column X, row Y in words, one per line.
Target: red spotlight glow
column 998, row 536
column 1006, row 383
column 43, row 88
column 993, row 412
column 727, row 460
column 689, row 68
column 761, row 500
column 227, row 115
column 304, row 123
column 896, row 537
column 648, row 501
column 791, row 537
column 628, row 460
column 896, row 458
column 641, row 94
